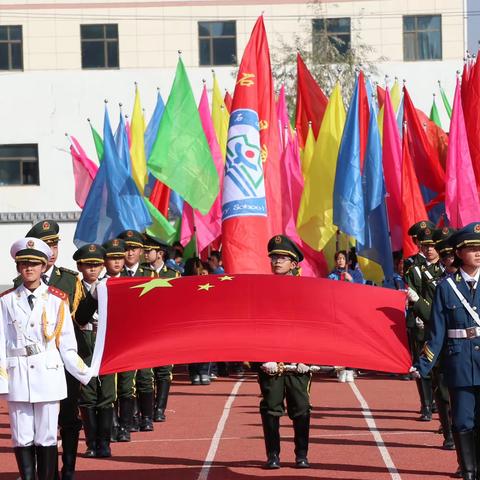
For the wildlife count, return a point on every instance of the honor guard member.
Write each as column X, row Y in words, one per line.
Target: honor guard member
column 67, row 281
column 456, row 332
column 413, row 231
column 96, row 398
column 155, row 253
column 37, row 340
column 277, row 387
column 135, row 385
column 421, row 302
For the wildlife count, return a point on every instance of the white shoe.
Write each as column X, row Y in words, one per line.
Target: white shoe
column 350, row 376
column 342, row 376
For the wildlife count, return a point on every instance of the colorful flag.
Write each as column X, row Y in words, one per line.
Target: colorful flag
column 311, row 102
column 358, row 325
column 461, row 197
column 220, row 117
column 84, row 171
column 160, row 227
column 283, row 119
column 308, row 151
column 348, row 206
column 315, row 217
column 413, row 209
column 137, row 150
column 228, row 101
column 434, row 115
column 113, row 203
column 97, row 140
column 151, row 132
column 445, row 101
column 253, row 145
column 392, row 167
column 180, row 156
column 121, row 142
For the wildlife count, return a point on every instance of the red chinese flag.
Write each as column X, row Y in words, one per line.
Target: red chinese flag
column 251, row 203
column 311, row 103
column 413, row 208
column 228, row 101
column 249, row 317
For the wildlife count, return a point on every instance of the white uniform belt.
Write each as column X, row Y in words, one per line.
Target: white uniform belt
column 26, row 351
column 471, row 332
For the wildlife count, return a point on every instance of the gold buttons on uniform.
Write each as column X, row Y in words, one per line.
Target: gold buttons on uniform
column 477, row 347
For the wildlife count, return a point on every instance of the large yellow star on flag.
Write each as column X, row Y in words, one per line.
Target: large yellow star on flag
column 154, row 283
column 226, row 277
column 206, row 287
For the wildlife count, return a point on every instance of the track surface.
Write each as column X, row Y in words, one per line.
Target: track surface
column 214, row 433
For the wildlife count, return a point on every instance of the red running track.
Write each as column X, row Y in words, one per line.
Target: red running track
column 214, row 434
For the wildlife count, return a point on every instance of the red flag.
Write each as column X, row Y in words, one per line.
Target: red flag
column 413, row 208
column 160, row 197
column 380, row 96
column 311, row 103
column 436, row 136
column 426, row 159
column 228, row 101
column 363, row 117
column 252, row 183
column 235, row 315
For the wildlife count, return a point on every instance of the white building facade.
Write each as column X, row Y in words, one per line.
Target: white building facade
column 60, row 59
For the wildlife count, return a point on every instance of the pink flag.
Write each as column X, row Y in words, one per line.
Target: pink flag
column 84, row 171
column 461, row 197
column 187, row 228
column 129, row 132
column 283, row 120
column 392, row 167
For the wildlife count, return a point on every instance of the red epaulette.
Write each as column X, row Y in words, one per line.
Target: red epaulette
column 57, row 292
column 7, row 291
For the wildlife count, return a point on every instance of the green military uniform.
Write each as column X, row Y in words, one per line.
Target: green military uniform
column 278, row 387
column 67, row 281
column 97, row 397
column 162, row 375
column 138, row 384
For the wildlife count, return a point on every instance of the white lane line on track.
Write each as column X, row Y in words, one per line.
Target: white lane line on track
column 207, row 464
column 387, row 459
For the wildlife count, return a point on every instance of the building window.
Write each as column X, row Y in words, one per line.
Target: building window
column 422, row 37
column 217, row 43
column 336, row 30
column 19, row 164
column 11, row 48
column 99, row 46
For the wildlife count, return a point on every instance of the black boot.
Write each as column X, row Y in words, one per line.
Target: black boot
column 115, row 423
column 424, row 386
column 135, row 424
column 125, row 406
column 163, row 387
column 301, row 427
column 466, row 448
column 444, row 415
column 104, row 432
column 89, row 420
column 46, row 462
column 25, row 457
column 69, row 452
column 271, row 432
column 145, row 402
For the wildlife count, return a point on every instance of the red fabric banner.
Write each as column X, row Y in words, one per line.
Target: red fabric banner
column 148, row 322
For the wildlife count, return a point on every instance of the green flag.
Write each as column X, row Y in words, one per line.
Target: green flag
column 97, row 140
column 160, row 228
column 446, row 103
column 180, row 156
column 434, row 116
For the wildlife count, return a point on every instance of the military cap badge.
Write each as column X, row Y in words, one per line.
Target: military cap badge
column 476, row 229
column 129, row 234
column 278, row 239
column 92, row 248
column 30, row 244
column 45, row 225
column 445, row 230
column 115, row 242
column 423, row 225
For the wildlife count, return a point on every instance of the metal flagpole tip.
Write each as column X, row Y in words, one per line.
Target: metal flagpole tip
column 309, row 123
column 158, row 89
column 204, row 81
column 105, row 101
column 88, row 120
column 213, row 71
column 404, row 81
column 179, row 53
column 66, row 134
column 120, row 104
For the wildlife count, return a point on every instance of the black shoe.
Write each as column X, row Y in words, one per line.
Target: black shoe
column 69, row 438
column 145, row 404
column 434, row 407
column 46, row 462
column 205, row 379
column 89, row 420
column 103, row 449
column 273, row 462
column 123, row 434
column 159, row 415
column 104, row 432
column 426, row 414
column 302, row 463
column 163, row 388
column 25, row 457
column 146, row 424
column 465, row 443
column 196, row 380
column 448, row 443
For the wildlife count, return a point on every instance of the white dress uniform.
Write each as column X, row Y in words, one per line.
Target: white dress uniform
column 32, row 366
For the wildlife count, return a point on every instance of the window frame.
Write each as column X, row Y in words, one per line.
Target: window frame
column 9, row 43
column 317, row 32
column 416, row 31
column 211, row 39
column 22, row 160
column 105, row 41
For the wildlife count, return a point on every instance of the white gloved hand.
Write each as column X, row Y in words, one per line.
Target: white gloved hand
column 302, row 368
column 414, row 372
column 419, row 323
column 270, row 367
column 412, row 295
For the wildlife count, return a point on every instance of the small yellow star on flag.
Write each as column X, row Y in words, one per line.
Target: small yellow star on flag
column 206, row 286
column 155, row 283
column 226, row 277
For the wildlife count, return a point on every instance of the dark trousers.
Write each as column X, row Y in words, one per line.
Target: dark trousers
column 465, row 404
column 198, row 369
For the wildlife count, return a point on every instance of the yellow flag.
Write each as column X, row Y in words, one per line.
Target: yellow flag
column 307, row 153
column 395, row 96
column 371, row 270
column 137, row 149
column 220, row 117
column 315, row 216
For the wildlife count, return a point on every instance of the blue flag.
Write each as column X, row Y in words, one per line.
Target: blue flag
column 121, row 142
column 348, row 207
column 113, row 203
column 152, row 128
column 377, row 246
